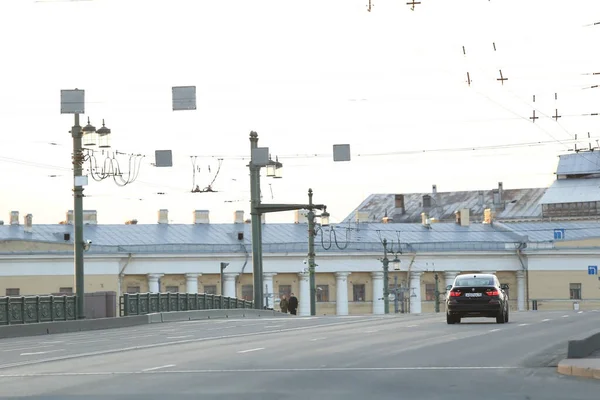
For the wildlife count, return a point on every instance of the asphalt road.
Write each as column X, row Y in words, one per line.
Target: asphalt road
column 400, row 357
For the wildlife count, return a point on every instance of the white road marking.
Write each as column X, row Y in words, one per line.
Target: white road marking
column 250, row 350
column 252, row 371
column 41, row 352
column 372, row 331
column 523, row 324
column 580, row 312
column 139, row 336
column 315, row 339
column 494, row 330
column 221, row 328
column 412, row 326
column 27, row 348
column 565, row 316
column 157, row 368
column 55, row 342
column 180, row 337
column 546, row 320
column 272, row 326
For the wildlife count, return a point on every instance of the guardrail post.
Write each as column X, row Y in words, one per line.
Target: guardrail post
column 38, row 308
column 65, row 307
column 23, row 309
column 137, row 312
column 8, row 313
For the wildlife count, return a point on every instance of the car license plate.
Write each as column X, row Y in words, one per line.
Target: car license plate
column 472, row 294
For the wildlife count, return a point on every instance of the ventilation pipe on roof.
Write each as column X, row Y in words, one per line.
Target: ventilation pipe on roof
column 434, row 189
column 163, row 216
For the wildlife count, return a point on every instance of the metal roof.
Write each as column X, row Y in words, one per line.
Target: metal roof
column 572, row 191
column 518, row 204
column 579, row 163
column 544, row 231
column 217, row 238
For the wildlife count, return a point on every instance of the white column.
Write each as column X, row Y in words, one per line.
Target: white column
column 304, row 300
column 415, row 289
column 341, row 293
column 229, row 286
column 449, row 277
column 153, row 286
column 378, row 303
column 521, row 291
column 191, row 283
column 268, row 280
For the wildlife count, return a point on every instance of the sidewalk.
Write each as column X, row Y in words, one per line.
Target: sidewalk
column 583, row 367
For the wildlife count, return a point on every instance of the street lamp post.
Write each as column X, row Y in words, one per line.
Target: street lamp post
column 311, row 248
column 259, row 159
column 386, row 262
column 77, row 132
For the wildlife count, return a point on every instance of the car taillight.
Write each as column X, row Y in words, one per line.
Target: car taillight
column 454, row 294
column 492, row 293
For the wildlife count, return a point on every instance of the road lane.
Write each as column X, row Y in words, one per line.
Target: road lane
column 380, row 357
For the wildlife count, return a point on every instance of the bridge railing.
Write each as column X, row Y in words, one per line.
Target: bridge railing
column 33, row 309
column 148, row 303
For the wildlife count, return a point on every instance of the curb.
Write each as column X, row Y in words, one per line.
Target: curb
column 583, row 368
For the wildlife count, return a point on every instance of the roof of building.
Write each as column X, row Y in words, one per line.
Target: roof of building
column 572, row 191
column 276, row 237
column 581, row 163
column 544, row 231
column 516, row 204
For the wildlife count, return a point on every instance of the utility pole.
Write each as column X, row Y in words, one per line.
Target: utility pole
column 396, row 294
column 311, row 254
column 78, row 243
column 256, row 226
column 386, row 294
column 437, row 294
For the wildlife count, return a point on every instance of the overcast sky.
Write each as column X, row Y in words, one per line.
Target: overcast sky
column 305, row 75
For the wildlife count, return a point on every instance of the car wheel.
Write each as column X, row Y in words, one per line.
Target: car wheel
column 501, row 318
column 506, row 316
column 449, row 319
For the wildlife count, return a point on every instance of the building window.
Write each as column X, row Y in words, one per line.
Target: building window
column 426, row 201
column 575, row 291
column 322, row 293
column 66, row 290
column 210, row 289
column 429, row 292
column 172, row 289
column 248, row 292
column 133, row 289
column 285, row 290
column 358, row 292
column 13, row 292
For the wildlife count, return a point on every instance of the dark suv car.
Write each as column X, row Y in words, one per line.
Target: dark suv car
column 476, row 295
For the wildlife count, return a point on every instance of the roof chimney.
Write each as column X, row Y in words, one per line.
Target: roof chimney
column 480, row 198
column 90, row 217
column 424, row 219
column 14, row 218
column 263, row 218
column 131, row 222
column 163, row 216
column 434, row 189
column 69, row 219
column 300, row 217
column 463, row 217
column 238, row 217
column 28, row 223
column 201, row 217
column 386, row 219
column 362, row 216
column 488, row 216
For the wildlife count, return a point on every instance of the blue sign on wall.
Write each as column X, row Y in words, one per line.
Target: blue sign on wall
column 593, row 270
column 559, row 234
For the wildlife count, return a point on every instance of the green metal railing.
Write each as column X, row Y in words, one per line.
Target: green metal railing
column 32, row 309
column 148, row 303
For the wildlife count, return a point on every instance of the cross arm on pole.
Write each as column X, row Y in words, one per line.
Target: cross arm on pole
column 268, row 208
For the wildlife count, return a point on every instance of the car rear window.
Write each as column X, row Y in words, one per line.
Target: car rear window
column 474, row 282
